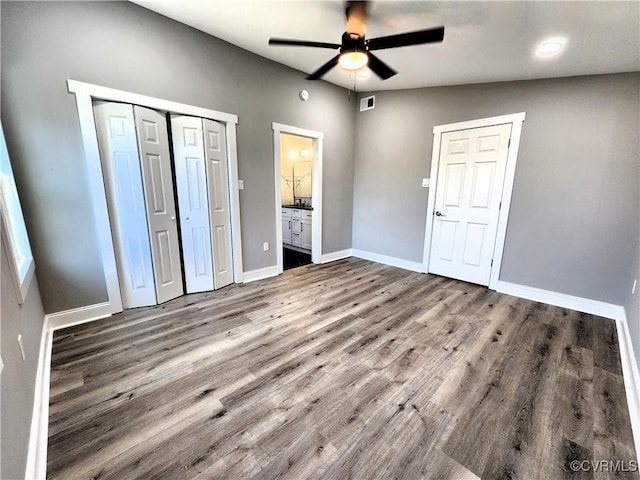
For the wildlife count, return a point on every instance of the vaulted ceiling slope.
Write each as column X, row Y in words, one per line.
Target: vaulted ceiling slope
column 485, row 41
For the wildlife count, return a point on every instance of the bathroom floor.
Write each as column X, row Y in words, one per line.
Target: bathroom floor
column 293, row 259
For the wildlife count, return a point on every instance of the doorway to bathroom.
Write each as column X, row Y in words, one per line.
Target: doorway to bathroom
column 298, row 180
column 296, row 161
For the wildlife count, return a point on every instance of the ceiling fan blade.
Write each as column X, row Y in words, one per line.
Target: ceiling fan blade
column 323, row 69
column 430, row 35
column 380, row 68
column 301, row 43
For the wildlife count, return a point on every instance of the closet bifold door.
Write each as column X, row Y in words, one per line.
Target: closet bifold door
column 118, row 147
column 153, row 141
column 215, row 141
column 191, row 184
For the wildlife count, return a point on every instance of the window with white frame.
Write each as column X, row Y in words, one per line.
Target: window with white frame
column 14, row 230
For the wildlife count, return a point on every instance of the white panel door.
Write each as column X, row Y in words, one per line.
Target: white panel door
column 191, row 183
column 468, row 193
column 218, row 182
column 153, row 142
column 125, row 197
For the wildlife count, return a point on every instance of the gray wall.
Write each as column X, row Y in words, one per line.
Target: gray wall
column 576, row 194
column 123, row 46
column 18, row 377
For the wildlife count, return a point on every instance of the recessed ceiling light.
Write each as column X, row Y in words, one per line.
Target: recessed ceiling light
column 551, row 47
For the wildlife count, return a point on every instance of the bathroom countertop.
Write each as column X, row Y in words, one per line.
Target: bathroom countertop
column 299, row 207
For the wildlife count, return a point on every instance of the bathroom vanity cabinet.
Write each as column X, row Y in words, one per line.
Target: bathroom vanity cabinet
column 296, row 228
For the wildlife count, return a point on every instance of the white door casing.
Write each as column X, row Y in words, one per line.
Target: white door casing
column 468, row 193
column 439, row 241
column 218, row 186
column 153, row 141
column 191, row 184
column 118, row 146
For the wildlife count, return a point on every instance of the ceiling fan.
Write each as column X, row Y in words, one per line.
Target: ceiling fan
column 355, row 49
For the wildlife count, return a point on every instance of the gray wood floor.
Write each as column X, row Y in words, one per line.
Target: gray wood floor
column 346, row 370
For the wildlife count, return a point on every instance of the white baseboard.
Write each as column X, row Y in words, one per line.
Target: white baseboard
column 333, row 256
column 631, row 377
column 76, row 316
column 386, row 260
column 594, row 307
column 38, row 436
column 260, row 273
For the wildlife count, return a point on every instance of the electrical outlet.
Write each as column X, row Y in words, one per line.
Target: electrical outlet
column 265, row 246
column 21, row 347
column 240, row 184
column 426, row 182
column 633, row 289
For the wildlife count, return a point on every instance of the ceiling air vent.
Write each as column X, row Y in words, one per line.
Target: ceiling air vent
column 367, row 103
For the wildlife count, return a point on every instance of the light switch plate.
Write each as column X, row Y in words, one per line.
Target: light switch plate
column 1, row 365
column 265, row 246
column 426, row 182
column 240, row 184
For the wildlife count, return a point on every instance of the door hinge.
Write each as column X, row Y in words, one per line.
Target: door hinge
column 509, row 143
column 492, row 262
column 500, row 206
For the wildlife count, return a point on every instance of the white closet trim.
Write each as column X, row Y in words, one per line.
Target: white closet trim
column 106, row 93
column 85, row 94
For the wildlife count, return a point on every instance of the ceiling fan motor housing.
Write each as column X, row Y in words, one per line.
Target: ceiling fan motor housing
column 352, row 42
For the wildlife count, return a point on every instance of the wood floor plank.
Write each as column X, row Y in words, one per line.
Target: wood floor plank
column 350, row 369
column 612, row 431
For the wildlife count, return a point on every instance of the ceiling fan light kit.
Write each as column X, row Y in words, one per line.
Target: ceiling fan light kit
column 355, row 49
column 353, row 52
column 353, row 61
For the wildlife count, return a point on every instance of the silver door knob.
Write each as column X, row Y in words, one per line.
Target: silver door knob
column 439, row 214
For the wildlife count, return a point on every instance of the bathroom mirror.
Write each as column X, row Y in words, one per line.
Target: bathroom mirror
column 296, row 159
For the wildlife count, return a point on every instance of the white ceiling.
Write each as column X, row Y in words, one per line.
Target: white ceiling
column 484, row 41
